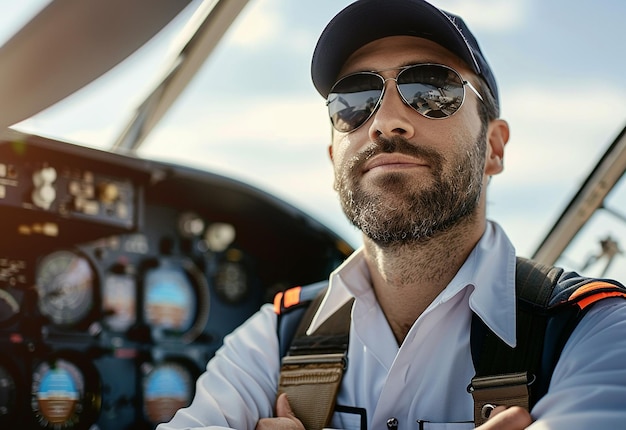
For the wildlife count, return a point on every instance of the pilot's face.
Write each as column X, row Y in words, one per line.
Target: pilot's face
column 402, row 175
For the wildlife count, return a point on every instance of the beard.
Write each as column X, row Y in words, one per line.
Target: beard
column 398, row 213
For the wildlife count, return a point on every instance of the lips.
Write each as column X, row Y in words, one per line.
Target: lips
column 392, row 161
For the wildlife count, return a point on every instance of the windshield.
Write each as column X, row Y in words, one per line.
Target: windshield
column 252, row 113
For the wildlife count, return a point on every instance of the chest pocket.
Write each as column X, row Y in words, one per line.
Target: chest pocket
column 349, row 418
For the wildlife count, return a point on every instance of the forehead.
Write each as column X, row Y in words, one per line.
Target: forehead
column 396, row 51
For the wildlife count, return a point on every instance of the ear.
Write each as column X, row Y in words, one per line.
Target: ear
column 497, row 137
column 330, row 152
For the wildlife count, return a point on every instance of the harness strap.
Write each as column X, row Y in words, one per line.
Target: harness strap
column 314, row 366
column 504, row 375
column 546, row 316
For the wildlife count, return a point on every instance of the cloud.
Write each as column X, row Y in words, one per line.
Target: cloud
column 554, row 128
column 488, row 15
column 259, row 23
column 282, row 118
column 559, row 131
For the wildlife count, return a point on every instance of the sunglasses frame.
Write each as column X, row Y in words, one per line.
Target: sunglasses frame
column 384, row 80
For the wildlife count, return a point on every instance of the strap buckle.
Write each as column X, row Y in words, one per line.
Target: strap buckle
column 316, row 358
column 511, row 389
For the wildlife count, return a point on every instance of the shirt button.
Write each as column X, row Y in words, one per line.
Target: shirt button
column 392, row 423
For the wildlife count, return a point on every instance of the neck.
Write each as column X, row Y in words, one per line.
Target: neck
column 408, row 277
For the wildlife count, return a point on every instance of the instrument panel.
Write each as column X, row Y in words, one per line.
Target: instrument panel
column 120, row 277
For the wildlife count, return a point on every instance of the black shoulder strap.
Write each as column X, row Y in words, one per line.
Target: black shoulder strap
column 547, row 313
column 505, row 375
column 534, row 285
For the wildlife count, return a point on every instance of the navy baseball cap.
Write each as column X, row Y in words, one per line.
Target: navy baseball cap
column 367, row 20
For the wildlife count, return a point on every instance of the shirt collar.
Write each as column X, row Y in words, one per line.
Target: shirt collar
column 489, row 270
column 344, row 284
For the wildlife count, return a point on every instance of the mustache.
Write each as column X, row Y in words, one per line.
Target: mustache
column 400, row 145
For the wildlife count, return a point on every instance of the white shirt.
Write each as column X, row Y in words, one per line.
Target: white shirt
column 426, row 378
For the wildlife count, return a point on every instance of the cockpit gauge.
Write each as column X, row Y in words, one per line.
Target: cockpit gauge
column 219, row 236
column 65, row 284
column 167, row 387
column 231, row 277
column 9, row 307
column 190, row 224
column 176, row 300
column 13, row 285
column 119, row 298
column 9, row 392
column 65, row 393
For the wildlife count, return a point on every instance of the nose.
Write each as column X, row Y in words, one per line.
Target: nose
column 393, row 116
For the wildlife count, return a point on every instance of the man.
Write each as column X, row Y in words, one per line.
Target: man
column 416, row 137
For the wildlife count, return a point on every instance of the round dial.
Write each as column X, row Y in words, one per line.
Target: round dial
column 8, row 396
column 231, row 279
column 9, row 307
column 167, row 387
column 119, row 301
column 175, row 300
column 63, row 394
column 169, row 299
column 65, row 283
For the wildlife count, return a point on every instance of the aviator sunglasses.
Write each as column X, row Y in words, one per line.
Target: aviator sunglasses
column 432, row 90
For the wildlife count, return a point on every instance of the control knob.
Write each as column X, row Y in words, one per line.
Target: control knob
column 44, row 193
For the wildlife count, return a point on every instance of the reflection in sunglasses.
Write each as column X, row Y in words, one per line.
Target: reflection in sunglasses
column 433, row 90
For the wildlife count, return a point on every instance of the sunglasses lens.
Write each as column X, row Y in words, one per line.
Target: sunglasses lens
column 353, row 99
column 432, row 90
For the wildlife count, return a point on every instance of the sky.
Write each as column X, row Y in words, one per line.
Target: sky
column 252, row 112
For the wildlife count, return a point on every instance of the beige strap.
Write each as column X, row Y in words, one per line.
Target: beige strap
column 312, row 384
column 499, row 390
column 311, row 371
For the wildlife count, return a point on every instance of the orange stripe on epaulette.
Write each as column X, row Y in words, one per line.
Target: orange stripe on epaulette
column 292, row 297
column 278, row 298
column 285, row 300
column 594, row 297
